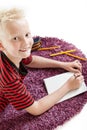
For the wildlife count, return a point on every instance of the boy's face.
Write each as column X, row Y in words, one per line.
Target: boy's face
column 17, row 40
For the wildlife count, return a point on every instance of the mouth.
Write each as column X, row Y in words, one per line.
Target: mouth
column 24, row 50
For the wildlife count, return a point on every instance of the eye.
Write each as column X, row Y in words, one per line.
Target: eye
column 28, row 35
column 15, row 38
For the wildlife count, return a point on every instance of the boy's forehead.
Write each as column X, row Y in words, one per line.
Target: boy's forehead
column 17, row 27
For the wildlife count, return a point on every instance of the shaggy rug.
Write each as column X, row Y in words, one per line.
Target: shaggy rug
column 11, row 119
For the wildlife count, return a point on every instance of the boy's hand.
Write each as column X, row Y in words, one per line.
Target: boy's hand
column 75, row 81
column 74, row 66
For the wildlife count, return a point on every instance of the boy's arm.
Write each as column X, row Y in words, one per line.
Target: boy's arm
column 45, row 103
column 41, row 62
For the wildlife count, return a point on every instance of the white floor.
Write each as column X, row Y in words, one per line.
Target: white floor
column 64, row 19
column 79, row 122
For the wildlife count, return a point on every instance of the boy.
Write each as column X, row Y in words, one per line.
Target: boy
column 15, row 52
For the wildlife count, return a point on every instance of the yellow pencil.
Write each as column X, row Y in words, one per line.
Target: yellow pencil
column 63, row 52
column 75, row 56
column 48, row 48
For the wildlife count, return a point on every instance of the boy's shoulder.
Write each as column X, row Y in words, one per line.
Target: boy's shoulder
column 7, row 71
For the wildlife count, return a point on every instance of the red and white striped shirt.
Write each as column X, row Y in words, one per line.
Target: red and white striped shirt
column 12, row 89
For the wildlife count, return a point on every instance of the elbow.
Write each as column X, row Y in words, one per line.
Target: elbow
column 35, row 113
column 34, row 109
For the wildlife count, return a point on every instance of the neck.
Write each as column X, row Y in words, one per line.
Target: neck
column 15, row 60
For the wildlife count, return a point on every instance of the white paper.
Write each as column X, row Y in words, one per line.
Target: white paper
column 55, row 82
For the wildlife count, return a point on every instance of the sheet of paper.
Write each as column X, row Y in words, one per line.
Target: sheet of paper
column 55, row 82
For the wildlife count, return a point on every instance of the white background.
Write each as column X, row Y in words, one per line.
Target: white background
column 65, row 19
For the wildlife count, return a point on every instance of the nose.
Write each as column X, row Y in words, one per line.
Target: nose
column 25, row 41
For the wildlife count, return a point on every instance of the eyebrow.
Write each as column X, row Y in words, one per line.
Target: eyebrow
column 17, row 34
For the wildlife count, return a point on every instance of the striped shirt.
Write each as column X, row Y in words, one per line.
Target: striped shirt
column 12, row 89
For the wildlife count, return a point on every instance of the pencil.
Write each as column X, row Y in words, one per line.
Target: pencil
column 48, row 48
column 75, row 56
column 63, row 52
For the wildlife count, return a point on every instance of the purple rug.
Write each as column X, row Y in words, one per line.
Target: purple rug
column 11, row 119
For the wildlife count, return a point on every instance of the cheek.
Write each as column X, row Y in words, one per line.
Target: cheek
column 31, row 43
column 14, row 46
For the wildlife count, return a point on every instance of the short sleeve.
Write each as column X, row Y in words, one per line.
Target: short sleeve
column 17, row 95
column 27, row 60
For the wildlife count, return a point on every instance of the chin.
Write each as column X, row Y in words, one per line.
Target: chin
column 26, row 55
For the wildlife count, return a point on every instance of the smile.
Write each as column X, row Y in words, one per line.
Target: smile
column 24, row 50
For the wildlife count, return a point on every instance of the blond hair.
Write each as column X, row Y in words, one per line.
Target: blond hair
column 11, row 14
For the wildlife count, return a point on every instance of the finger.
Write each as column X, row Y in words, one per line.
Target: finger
column 78, row 67
column 80, row 77
column 78, row 62
column 76, row 70
column 76, row 75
